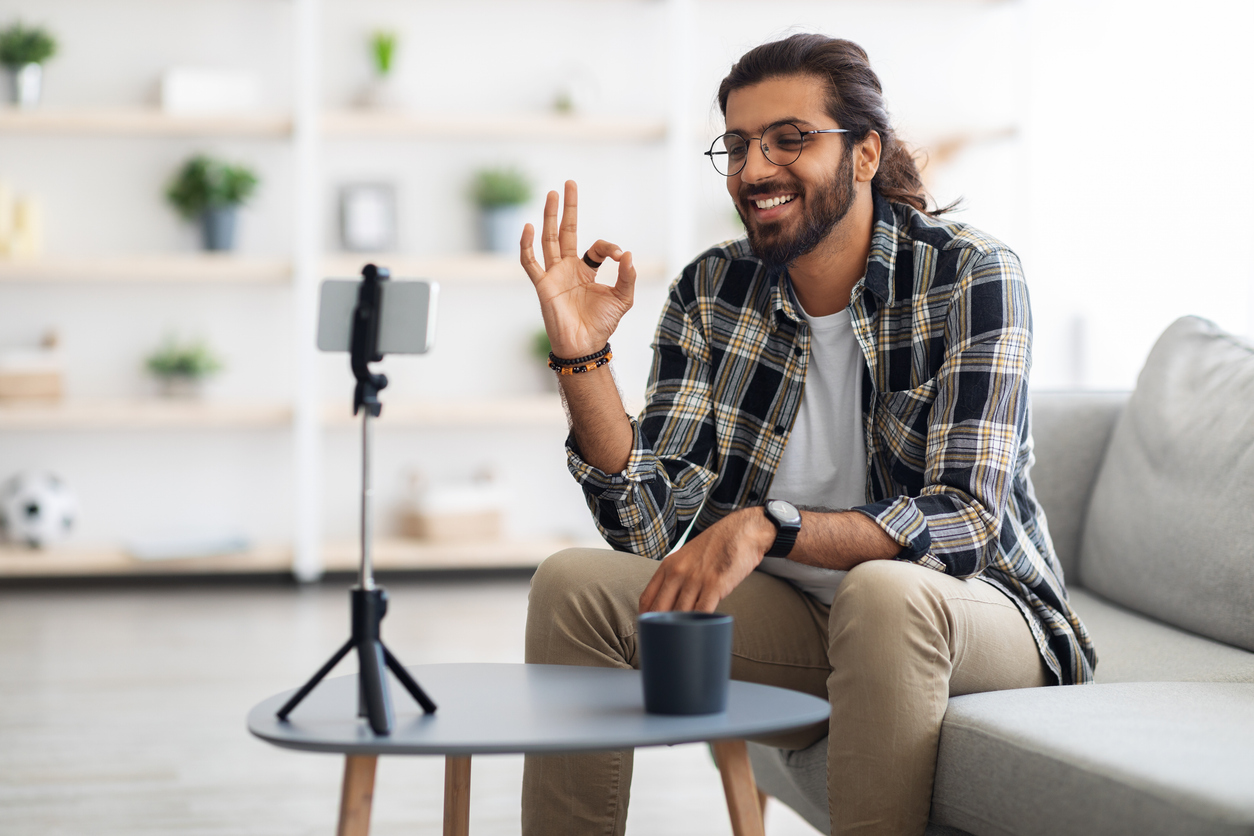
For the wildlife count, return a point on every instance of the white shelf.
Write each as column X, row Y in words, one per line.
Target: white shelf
column 468, row 267
column 138, row 121
column 389, row 554
column 526, row 410
column 175, row 268
column 385, row 124
column 143, row 414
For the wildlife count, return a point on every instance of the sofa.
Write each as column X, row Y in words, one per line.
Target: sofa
column 1150, row 504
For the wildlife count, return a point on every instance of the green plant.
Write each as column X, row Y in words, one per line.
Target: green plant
column 25, row 45
column 192, row 360
column 495, row 187
column 540, row 345
column 383, row 50
column 205, row 183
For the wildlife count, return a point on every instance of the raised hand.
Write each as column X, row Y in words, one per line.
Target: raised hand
column 579, row 314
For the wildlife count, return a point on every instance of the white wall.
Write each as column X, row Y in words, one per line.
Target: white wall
column 1121, row 183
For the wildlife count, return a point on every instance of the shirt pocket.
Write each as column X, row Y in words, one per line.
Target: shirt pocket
column 903, row 420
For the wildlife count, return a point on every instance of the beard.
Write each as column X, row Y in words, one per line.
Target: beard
column 826, row 206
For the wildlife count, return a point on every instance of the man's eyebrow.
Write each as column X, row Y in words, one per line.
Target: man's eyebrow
column 796, row 120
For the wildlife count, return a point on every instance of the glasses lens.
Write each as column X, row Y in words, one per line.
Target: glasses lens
column 782, row 144
column 728, row 153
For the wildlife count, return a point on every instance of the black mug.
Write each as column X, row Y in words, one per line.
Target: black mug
column 685, row 661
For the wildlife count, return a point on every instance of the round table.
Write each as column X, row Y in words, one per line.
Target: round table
column 499, row 708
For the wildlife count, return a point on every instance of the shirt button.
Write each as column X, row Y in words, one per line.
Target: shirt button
column 779, row 429
column 753, row 496
column 796, row 349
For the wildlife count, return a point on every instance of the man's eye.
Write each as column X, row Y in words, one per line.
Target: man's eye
column 736, row 152
column 788, row 144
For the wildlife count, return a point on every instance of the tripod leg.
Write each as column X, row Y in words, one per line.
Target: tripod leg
column 374, row 685
column 313, row 682
column 411, row 684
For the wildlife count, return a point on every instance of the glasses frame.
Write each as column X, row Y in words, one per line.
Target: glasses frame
column 748, row 139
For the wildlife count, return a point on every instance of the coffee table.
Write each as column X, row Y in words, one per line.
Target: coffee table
column 511, row 709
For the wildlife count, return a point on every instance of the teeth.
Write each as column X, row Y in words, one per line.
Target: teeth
column 772, row 202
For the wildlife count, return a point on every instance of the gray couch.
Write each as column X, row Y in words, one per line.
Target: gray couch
column 1150, row 502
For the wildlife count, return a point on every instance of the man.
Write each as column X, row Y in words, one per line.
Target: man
column 854, row 353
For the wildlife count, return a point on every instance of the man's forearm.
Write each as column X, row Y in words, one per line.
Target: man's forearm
column 833, row 540
column 598, row 419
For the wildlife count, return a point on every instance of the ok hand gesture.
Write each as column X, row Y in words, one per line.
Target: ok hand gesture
column 579, row 314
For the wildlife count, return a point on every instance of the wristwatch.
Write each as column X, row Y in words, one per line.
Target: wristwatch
column 787, row 520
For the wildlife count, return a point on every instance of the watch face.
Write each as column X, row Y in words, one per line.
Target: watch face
column 783, row 511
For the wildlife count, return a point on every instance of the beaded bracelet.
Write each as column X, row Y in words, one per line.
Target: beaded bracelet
column 587, row 367
column 556, row 362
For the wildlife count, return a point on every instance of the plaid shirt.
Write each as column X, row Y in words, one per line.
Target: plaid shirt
column 943, row 319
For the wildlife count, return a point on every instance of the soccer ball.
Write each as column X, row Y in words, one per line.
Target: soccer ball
column 36, row 509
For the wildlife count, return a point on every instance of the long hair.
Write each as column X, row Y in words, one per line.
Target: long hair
column 855, row 100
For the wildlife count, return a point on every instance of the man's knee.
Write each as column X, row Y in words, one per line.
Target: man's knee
column 883, row 599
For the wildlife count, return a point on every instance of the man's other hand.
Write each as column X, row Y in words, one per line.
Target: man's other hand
column 579, row 314
column 706, row 570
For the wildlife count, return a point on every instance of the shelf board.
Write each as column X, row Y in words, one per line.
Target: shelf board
column 173, row 268
column 524, row 410
column 139, row 121
column 397, row 124
column 467, row 267
column 143, row 414
column 389, row 555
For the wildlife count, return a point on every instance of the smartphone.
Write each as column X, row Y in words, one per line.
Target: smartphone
column 407, row 323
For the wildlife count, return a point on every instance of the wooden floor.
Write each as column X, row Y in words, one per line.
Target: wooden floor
column 122, row 712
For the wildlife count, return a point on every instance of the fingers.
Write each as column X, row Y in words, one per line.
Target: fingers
column 527, row 254
column 570, row 222
column 600, row 251
column 549, row 238
column 625, row 287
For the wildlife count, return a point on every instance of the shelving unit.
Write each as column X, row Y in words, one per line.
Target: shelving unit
column 136, row 121
column 469, row 267
column 143, row 414
column 173, row 267
column 366, row 124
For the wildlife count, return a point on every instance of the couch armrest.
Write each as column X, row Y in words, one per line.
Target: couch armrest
column 1071, row 431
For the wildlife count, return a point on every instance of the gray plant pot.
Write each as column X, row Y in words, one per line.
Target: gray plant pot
column 26, row 85
column 501, row 228
column 217, row 228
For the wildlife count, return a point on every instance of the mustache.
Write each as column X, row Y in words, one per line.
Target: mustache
column 750, row 192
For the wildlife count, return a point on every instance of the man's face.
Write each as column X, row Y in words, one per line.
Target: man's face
column 814, row 193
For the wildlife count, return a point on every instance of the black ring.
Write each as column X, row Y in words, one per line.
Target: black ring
column 593, row 264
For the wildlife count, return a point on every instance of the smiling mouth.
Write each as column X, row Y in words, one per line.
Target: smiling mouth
column 772, row 202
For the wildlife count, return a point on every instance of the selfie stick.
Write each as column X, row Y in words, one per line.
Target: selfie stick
column 369, row 602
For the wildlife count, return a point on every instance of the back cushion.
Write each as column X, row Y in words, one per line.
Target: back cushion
column 1170, row 530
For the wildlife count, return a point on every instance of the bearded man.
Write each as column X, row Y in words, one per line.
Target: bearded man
column 837, row 417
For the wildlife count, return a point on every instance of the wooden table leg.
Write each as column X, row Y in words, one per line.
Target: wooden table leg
column 457, row 795
column 732, row 757
column 356, row 795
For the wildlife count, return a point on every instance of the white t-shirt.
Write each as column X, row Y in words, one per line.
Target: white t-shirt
column 824, row 463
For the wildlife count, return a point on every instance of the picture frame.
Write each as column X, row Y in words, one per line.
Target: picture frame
column 368, row 217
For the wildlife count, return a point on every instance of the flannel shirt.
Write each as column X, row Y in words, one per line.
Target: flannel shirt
column 943, row 319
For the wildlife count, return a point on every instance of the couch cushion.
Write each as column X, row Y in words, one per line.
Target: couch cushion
column 1170, row 528
column 1136, row 648
column 1070, row 431
column 1139, row 758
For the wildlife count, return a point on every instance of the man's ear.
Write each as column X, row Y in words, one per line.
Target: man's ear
column 866, row 158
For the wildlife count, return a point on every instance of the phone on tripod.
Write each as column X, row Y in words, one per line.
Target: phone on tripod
column 406, row 321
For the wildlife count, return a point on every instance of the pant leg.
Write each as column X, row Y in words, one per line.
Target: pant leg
column 582, row 611
column 903, row 639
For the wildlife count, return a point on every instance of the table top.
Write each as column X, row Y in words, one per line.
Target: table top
column 498, row 709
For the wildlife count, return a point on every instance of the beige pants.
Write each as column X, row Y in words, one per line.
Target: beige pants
column 899, row 640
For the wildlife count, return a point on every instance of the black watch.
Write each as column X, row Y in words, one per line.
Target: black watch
column 787, row 520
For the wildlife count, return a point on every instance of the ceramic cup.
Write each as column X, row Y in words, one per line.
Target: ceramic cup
column 685, row 661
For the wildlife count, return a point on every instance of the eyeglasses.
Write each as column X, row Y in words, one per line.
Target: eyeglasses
column 781, row 144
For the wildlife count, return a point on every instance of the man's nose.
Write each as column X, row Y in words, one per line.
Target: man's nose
column 757, row 166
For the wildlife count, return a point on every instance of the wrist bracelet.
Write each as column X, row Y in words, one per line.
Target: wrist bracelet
column 586, row 367
column 555, row 361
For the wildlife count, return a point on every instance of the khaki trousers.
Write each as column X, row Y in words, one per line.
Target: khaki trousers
column 897, row 642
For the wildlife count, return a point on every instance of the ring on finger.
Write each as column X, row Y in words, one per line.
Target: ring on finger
column 587, row 259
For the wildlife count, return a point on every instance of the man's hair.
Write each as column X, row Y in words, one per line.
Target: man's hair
column 855, row 100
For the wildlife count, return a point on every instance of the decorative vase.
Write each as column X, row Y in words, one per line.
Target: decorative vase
column 180, row 387
column 501, row 228
column 26, row 85
column 217, row 228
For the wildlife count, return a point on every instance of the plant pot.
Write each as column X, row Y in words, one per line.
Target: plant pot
column 26, row 85
column 501, row 228
column 380, row 93
column 217, row 228
column 180, row 387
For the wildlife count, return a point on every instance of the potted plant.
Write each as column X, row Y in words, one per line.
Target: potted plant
column 382, row 47
column 500, row 194
column 211, row 191
column 540, row 349
column 23, row 51
column 182, row 368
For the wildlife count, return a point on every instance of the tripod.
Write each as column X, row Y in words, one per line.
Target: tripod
column 369, row 602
